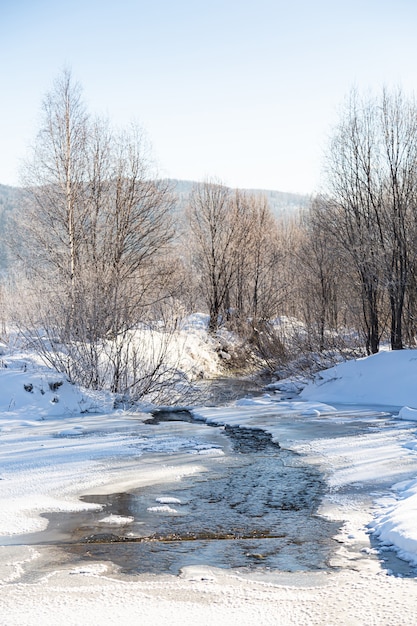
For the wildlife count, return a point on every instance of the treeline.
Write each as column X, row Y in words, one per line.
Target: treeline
column 346, row 267
column 104, row 268
column 370, row 213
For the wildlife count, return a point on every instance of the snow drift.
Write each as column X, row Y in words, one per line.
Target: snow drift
column 386, row 378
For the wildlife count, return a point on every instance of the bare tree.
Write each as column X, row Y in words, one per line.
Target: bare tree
column 398, row 123
column 55, row 176
column 317, row 258
column 235, row 243
column 217, row 233
column 97, row 227
column 371, row 175
column 257, row 287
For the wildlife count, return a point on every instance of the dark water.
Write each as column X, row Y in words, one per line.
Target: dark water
column 257, row 508
column 221, row 391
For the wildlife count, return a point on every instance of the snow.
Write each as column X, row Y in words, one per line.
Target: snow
column 406, row 413
column 25, row 391
column 162, row 509
column 116, row 520
column 168, row 500
column 58, row 442
column 397, row 525
column 386, row 378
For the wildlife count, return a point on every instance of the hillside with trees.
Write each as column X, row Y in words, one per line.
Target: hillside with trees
column 10, row 200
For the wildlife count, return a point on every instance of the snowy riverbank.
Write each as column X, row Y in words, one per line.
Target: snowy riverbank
column 384, row 379
column 52, row 452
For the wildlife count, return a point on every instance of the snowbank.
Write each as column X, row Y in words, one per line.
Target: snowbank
column 32, row 391
column 396, row 526
column 407, row 413
column 386, row 378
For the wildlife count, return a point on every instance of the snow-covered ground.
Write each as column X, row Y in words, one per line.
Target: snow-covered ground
column 58, row 442
column 386, row 378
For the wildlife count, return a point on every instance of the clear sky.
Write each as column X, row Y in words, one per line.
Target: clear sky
column 244, row 91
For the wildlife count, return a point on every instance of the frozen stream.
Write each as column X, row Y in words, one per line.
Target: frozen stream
column 239, row 500
column 255, row 506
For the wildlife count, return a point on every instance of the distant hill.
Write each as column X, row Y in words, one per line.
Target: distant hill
column 9, row 201
column 281, row 203
column 9, row 198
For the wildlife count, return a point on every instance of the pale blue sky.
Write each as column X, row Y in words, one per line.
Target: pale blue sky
column 242, row 91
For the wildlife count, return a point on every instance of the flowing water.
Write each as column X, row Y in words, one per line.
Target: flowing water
column 256, row 507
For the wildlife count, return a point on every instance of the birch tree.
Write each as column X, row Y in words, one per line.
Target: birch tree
column 97, row 228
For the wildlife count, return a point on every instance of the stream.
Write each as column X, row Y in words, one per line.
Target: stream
column 256, row 507
column 233, row 498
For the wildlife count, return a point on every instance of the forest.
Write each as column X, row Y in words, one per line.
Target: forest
column 101, row 260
